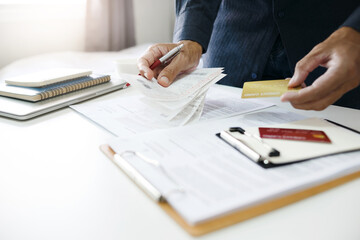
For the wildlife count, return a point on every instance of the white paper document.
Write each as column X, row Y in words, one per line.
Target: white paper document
column 182, row 102
column 206, row 178
column 184, row 86
column 124, row 116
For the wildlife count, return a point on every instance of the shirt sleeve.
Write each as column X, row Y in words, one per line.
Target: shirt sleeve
column 194, row 20
column 354, row 20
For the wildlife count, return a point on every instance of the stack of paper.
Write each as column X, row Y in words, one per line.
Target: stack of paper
column 128, row 115
column 183, row 101
column 156, row 107
column 202, row 177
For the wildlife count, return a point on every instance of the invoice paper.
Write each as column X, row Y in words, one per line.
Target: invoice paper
column 124, row 116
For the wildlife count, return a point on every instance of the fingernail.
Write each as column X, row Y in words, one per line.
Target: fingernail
column 283, row 98
column 292, row 80
column 286, row 97
column 146, row 75
column 165, row 80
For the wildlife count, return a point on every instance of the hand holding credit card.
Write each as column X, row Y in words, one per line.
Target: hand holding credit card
column 269, row 88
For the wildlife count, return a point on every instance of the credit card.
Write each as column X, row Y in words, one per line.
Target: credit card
column 294, row 134
column 268, row 88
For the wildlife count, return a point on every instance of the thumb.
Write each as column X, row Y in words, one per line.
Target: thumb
column 169, row 73
column 306, row 65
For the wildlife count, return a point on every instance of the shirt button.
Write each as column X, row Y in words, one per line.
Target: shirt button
column 253, row 76
column 281, row 14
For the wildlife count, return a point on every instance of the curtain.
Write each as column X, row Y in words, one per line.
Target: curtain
column 109, row 25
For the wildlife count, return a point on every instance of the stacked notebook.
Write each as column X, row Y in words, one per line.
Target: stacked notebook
column 50, row 83
column 183, row 101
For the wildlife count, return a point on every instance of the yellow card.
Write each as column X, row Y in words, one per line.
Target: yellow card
column 269, row 88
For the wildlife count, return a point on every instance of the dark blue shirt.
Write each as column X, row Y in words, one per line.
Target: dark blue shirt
column 263, row 39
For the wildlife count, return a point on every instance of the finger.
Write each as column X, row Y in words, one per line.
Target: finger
column 317, row 90
column 169, row 73
column 144, row 70
column 325, row 91
column 331, row 81
column 303, row 85
column 319, row 104
column 146, row 60
column 150, row 56
column 147, row 72
column 312, row 60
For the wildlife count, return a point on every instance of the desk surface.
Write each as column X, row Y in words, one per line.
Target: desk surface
column 56, row 184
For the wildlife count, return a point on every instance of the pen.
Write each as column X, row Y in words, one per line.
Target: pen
column 273, row 152
column 172, row 53
column 142, row 182
column 240, row 146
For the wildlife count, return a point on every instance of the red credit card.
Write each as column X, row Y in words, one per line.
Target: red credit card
column 294, row 134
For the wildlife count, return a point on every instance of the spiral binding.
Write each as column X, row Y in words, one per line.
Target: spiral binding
column 73, row 87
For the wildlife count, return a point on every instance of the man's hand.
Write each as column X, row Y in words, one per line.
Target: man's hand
column 340, row 54
column 186, row 60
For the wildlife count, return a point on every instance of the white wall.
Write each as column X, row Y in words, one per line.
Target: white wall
column 30, row 29
column 154, row 20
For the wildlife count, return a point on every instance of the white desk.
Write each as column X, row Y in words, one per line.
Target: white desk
column 56, row 184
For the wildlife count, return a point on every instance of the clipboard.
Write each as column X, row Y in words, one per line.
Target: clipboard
column 278, row 152
column 244, row 214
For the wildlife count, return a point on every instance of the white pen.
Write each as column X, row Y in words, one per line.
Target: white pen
column 142, row 182
column 242, row 147
column 273, row 152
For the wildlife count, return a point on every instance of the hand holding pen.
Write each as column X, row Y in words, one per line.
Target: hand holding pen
column 166, row 61
column 167, row 57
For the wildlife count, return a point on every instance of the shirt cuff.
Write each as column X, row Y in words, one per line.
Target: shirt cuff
column 354, row 20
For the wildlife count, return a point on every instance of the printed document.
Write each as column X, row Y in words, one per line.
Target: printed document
column 181, row 102
column 124, row 116
column 206, row 178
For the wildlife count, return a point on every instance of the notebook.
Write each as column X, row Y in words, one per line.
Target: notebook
column 47, row 77
column 35, row 94
column 23, row 110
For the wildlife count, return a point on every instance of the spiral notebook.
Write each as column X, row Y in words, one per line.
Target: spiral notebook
column 24, row 110
column 35, row 94
column 47, row 77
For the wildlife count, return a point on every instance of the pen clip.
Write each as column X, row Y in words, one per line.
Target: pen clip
column 171, row 58
column 171, row 54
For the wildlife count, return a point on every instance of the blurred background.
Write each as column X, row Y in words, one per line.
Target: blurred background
column 32, row 27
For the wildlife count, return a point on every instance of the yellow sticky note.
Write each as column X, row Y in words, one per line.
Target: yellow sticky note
column 269, row 88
